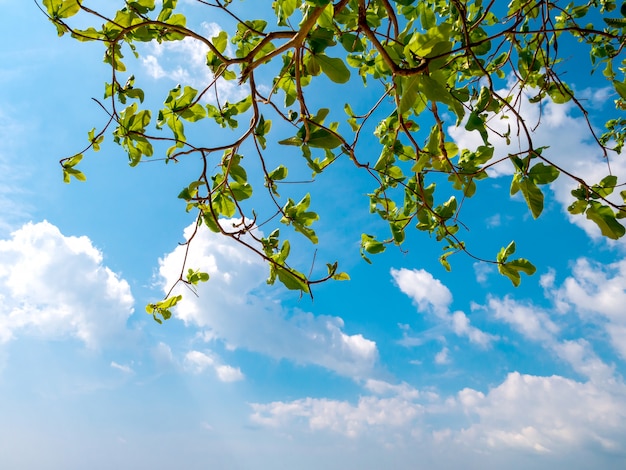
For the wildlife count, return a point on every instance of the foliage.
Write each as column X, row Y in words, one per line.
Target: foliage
column 430, row 65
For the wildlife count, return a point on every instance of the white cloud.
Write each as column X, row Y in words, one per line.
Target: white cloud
column 535, row 324
column 482, row 271
column 528, row 413
column 122, row 367
column 154, row 69
column 431, row 296
column 56, row 286
column 233, row 308
column 197, row 362
column 545, row 414
column 528, row 320
column 339, row 416
column 443, row 357
column 598, row 293
column 580, row 355
column 229, row 374
column 185, row 62
column 461, row 326
column 403, row 390
column 427, row 292
column 493, row 221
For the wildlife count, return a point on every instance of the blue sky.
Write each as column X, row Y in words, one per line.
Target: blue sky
column 404, row 366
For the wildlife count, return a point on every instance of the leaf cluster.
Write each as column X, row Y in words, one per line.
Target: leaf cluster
column 431, row 66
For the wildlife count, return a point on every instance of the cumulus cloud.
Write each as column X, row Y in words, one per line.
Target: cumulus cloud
column 231, row 307
column 375, row 411
column 545, row 414
column 57, row 286
column 197, row 362
column 525, row 412
column 431, row 296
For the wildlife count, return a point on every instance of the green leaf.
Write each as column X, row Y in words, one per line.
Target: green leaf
column 335, row 69
column 620, row 87
column 326, row 18
column 506, row 252
column 605, row 187
column 410, row 92
column 241, row 191
column 292, row 279
column 578, row 207
column 512, row 269
column 68, row 8
column 543, row 174
column 371, row 245
column 531, row 192
column 163, row 307
column 351, row 42
column 605, row 219
column 295, row 141
column 194, row 277
column 283, row 10
column 298, row 216
column 321, row 138
column 278, row 174
column 522, row 265
column 511, row 273
column 475, row 122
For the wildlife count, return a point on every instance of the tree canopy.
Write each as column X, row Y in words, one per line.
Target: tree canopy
column 410, row 74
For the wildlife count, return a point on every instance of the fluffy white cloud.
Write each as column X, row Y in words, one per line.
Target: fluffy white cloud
column 545, row 414
column 431, row 296
column 228, row 373
column 231, row 307
column 56, row 286
column 197, row 362
column 525, row 412
column 427, row 292
column 342, row 417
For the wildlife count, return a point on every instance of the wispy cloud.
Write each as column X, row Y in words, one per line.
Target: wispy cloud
column 12, row 173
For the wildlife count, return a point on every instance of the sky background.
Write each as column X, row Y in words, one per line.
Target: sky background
column 404, row 366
